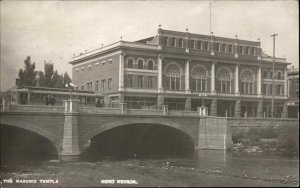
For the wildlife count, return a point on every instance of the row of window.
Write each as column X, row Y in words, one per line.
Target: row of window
column 89, row 67
column 277, row 76
column 130, row 63
column 205, row 45
column 89, row 85
column 140, row 81
column 267, row 89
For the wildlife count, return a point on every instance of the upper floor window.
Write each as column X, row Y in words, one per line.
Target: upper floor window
column 82, row 87
column 150, row 81
column 240, row 49
column 180, row 43
column 217, row 46
column 165, row 41
column 247, row 82
column 109, row 83
column 173, row 78
column 279, row 77
column 230, row 48
column 199, row 81
column 206, row 46
column 265, row 75
column 140, row 64
column 271, row 74
column 192, row 44
column 247, row 50
column 224, row 78
column 223, row 47
column 173, row 41
column 129, row 80
column 102, row 85
column 199, row 45
column 252, row 50
column 97, row 85
column 150, row 65
column 140, row 81
column 130, row 63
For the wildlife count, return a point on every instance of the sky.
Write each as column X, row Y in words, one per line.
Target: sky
column 53, row 31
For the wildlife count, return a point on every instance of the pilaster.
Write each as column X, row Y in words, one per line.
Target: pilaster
column 213, row 90
column 121, row 72
column 187, row 77
column 237, row 79
column 188, row 104
column 159, row 80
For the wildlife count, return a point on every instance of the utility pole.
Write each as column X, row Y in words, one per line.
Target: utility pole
column 273, row 75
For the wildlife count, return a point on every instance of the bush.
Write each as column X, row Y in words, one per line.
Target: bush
column 288, row 139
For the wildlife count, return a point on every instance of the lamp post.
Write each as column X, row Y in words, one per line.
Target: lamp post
column 71, row 85
column 273, row 74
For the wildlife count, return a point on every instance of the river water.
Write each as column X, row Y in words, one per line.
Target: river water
column 199, row 168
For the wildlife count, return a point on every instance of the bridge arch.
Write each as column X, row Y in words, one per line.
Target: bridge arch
column 110, row 125
column 37, row 130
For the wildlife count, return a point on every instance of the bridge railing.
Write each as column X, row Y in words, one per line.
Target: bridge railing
column 35, row 108
column 183, row 113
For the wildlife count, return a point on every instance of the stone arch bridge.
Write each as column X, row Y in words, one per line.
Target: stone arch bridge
column 69, row 128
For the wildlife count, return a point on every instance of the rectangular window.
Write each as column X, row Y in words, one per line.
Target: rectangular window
column 91, row 86
column 217, row 46
column 89, row 67
column 109, row 83
column 192, row 44
column 140, row 81
column 130, row 80
column 97, row 85
column 252, row 51
column 165, row 41
column 199, row 45
column 180, row 43
column 102, row 85
column 103, row 63
column 173, row 42
column 150, row 81
column 223, row 48
column 82, row 87
column 247, row 50
column 206, row 46
column 110, row 61
column 241, row 49
column 88, row 86
column 230, row 48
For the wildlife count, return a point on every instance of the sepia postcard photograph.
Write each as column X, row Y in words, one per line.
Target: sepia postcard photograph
column 153, row 93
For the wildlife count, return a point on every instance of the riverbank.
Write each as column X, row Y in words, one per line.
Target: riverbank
column 234, row 171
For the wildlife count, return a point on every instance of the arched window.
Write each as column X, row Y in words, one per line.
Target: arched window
column 247, row 82
column 265, row 75
column 279, row 75
column 150, row 65
column 199, row 79
column 271, row 75
column 130, row 63
column 140, row 64
column 224, row 78
column 173, row 78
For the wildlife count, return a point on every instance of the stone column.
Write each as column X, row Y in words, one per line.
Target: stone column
column 260, row 113
column 237, row 109
column 187, row 41
column 159, row 80
column 237, row 77
column 188, row 104
column 28, row 98
column 285, row 110
column 259, row 81
column 213, row 107
column 213, row 90
column 285, row 82
column 236, row 47
column 121, row 72
column 70, row 144
column 187, row 77
column 121, row 98
column 212, row 43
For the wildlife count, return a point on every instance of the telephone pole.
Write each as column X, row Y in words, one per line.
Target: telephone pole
column 273, row 75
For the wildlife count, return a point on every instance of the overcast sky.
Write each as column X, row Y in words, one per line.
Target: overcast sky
column 53, row 31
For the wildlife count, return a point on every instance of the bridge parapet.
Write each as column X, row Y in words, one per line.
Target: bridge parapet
column 34, row 108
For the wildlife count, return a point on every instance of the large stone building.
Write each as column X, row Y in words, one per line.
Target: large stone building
column 232, row 77
column 293, row 103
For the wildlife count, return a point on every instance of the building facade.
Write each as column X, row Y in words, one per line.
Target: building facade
column 229, row 76
column 293, row 102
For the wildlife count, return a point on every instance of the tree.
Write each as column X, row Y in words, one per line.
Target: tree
column 48, row 71
column 28, row 74
column 66, row 78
